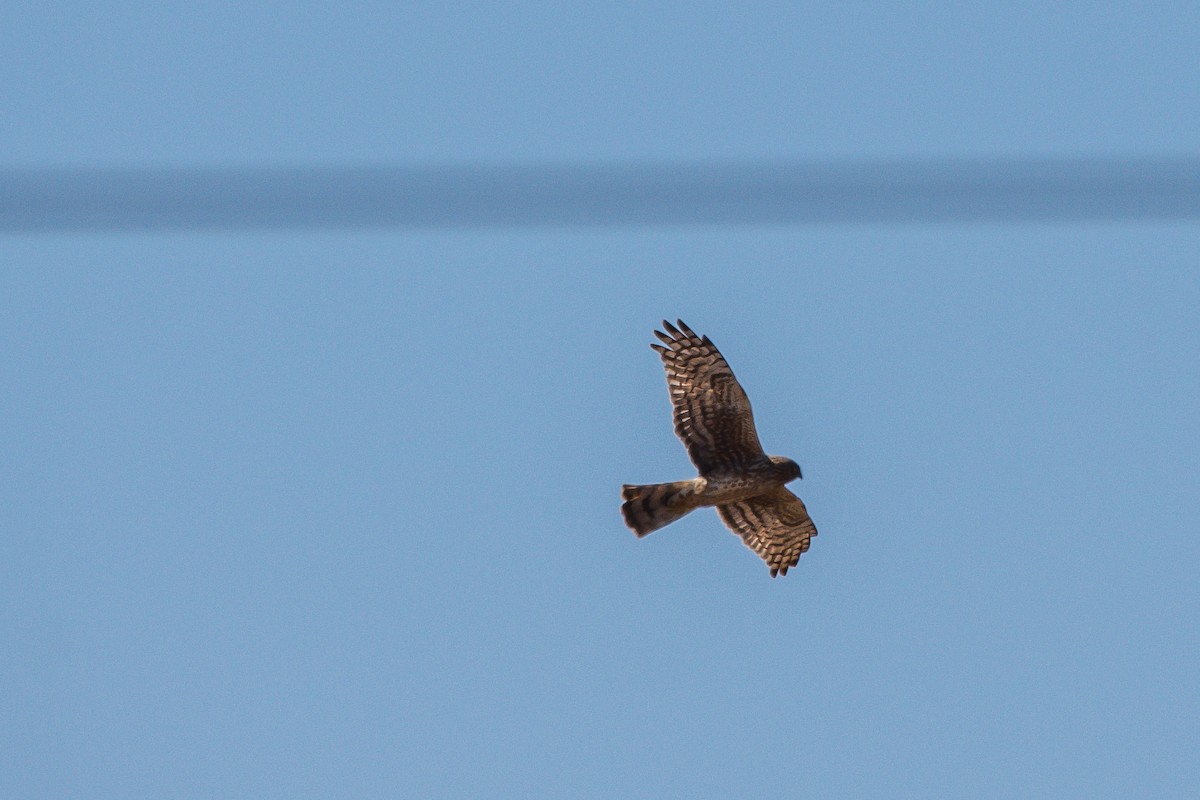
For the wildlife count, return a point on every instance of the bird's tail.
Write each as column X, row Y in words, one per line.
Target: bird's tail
column 648, row 508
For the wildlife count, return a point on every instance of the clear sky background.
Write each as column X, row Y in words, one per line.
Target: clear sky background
column 335, row 513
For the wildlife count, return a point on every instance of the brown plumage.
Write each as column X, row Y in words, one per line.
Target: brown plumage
column 713, row 419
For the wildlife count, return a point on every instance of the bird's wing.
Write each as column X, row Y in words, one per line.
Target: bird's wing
column 712, row 413
column 775, row 525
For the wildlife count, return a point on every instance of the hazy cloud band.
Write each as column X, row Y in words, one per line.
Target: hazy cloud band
column 600, row 195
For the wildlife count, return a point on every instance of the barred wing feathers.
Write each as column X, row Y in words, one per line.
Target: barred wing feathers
column 775, row 525
column 711, row 410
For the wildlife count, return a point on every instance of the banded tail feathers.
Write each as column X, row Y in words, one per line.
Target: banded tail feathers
column 650, row 507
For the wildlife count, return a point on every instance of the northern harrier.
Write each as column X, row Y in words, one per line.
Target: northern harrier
column 713, row 418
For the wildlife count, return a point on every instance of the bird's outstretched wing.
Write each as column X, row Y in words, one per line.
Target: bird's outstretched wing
column 774, row 525
column 712, row 412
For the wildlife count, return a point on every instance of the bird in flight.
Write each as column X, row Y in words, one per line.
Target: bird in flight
column 713, row 418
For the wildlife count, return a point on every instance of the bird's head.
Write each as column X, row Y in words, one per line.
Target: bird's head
column 790, row 468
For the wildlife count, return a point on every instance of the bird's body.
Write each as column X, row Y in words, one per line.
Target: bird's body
column 732, row 486
column 714, row 420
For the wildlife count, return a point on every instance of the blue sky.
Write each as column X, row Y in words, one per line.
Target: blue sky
column 335, row 514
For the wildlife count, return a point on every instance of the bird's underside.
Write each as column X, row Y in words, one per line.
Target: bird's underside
column 713, row 418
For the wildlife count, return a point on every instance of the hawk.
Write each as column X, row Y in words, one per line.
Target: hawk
column 713, row 418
